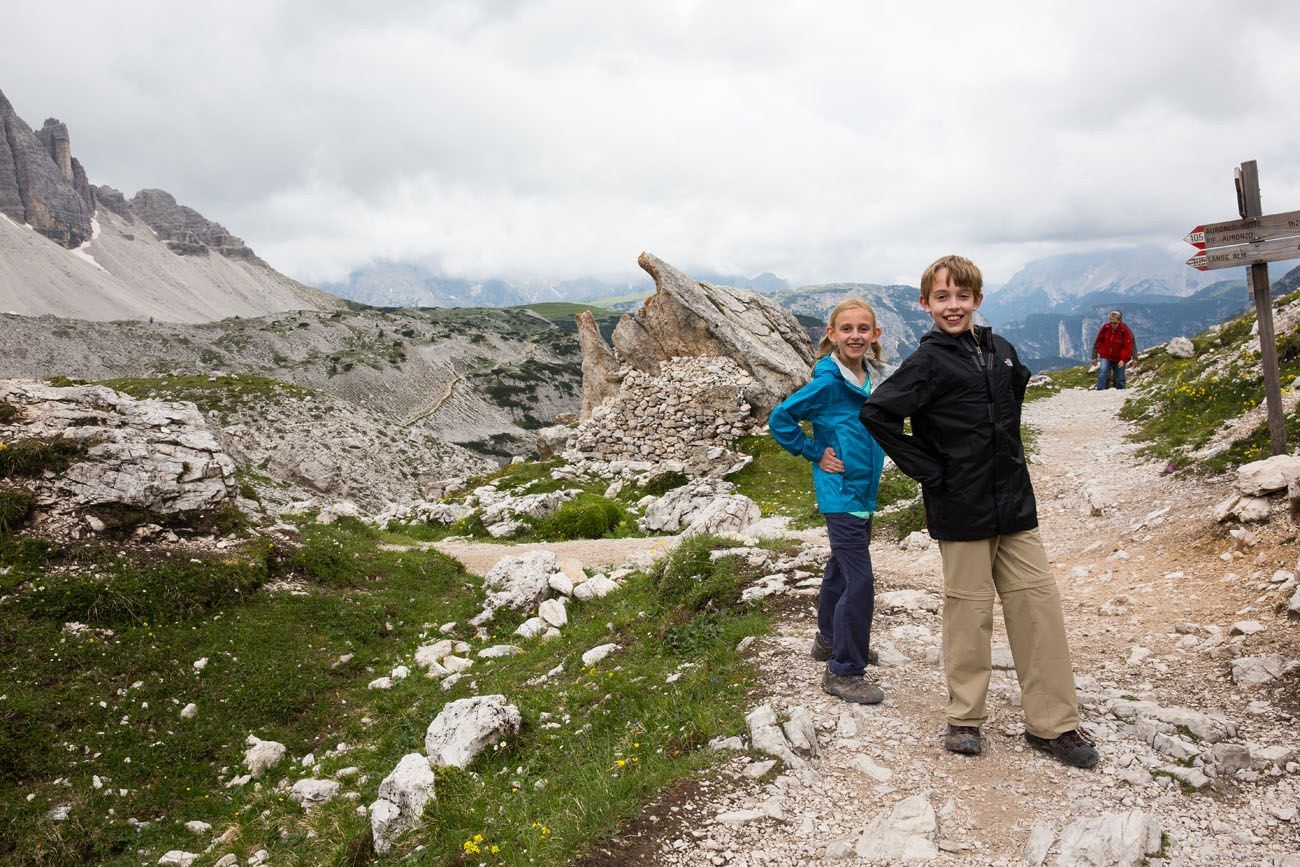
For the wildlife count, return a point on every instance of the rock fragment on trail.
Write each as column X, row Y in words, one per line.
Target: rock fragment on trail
column 767, row 737
column 1256, row 670
column 1109, row 840
column 467, row 726
column 905, row 832
column 402, row 797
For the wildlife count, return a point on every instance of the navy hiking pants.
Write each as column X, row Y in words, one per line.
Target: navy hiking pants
column 848, row 594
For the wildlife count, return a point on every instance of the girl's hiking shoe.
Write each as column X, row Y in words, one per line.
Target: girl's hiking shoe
column 854, row 688
column 962, row 739
column 1072, row 747
column 821, row 651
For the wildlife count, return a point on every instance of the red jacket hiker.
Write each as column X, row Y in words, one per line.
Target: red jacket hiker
column 1114, row 343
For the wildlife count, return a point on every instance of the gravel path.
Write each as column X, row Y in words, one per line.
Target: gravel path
column 480, row 557
column 1145, row 583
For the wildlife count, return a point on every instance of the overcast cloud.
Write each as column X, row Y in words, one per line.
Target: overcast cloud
column 820, row 141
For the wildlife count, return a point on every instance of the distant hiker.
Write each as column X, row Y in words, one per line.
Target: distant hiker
column 846, row 465
column 1114, row 346
column 962, row 389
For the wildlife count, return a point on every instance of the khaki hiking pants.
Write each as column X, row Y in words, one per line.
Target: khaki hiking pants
column 1015, row 565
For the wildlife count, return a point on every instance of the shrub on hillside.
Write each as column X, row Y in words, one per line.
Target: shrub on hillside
column 587, row 516
column 665, row 482
column 32, row 457
column 15, row 506
column 691, row 578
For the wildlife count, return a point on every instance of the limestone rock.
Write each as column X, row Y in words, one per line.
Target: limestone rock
column 594, row 588
column 600, row 368
column 402, row 797
column 911, row 601
column 906, row 832
column 311, row 792
column 766, row 736
column 178, row 858
column 1256, row 670
column 701, row 506
column 1180, row 347
column 467, row 726
column 262, row 755
column 1109, row 840
column 519, row 582
column 150, row 454
column 1209, row 727
column 597, row 653
column 1275, row 473
column 185, row 230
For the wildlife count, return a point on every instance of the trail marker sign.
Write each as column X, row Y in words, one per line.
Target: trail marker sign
column 1254, row 241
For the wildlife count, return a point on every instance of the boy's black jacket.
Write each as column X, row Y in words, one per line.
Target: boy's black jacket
column 965, row 446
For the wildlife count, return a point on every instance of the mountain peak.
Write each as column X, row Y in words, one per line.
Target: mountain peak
column 41, row 184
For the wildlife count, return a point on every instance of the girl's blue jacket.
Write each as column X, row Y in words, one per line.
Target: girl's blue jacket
column 832, row 403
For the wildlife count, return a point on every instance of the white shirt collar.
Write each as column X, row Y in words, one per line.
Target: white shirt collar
column 849, row 374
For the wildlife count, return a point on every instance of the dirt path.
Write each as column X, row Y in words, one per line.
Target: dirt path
column 1151, row 567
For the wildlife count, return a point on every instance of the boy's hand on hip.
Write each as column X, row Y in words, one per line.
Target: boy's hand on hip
column 830, row 463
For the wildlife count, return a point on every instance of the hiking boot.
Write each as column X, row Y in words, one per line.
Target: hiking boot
column 1072, row 747
column 853, row 688
column 821, row 651
column 963, row 739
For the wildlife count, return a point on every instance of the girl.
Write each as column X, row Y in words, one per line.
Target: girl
column 846, row 475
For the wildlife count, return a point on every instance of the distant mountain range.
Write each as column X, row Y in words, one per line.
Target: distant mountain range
column 68, row 248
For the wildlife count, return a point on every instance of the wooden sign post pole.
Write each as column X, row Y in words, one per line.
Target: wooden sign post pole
column 1248, row 202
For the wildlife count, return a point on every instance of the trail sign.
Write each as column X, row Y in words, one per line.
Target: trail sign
column 1265, row 241
column 1276, row 250
column 1244, row 231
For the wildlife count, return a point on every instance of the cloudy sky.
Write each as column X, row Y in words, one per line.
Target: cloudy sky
column 820, row 141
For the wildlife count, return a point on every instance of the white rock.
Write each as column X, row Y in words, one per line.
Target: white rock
column 572, row 569
column 198, row 828
column 1119, row 839
column 876, row 772
column 190, row 711
column 1275, row 473
column 917, row 540
column 400, row 672
column 262, row 755
column 1246, row 627
column 908, row 600
column 430, row 656
column 457, row 664
column 906, row 832
column 1041, row 838
column 177, row 858
column 384, row 682
column 467, row 726
column 519, row 582
column 594, row 588
column 1193, row 777
column 200, row 664
column 1255, row 670
column 561, row 583
column 531, row 628
column 766, row 736
column 597, row 653
column 755, row 770
column 311, row 793
column 801, row 731
column 553, row 612
column 1180, row 347
column 497, row 651
column 402, row 797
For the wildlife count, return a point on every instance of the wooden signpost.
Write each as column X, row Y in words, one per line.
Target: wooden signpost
column 1254, row 241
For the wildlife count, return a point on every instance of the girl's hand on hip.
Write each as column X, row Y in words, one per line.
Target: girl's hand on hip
column 830, row 463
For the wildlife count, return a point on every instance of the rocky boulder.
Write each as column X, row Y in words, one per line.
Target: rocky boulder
column 905, row 832
column 1118, row 839
column 467, row 726
column 688, row 318
column 402, row 797
column 519, row 582
column 1180, row 347
column 704, row 505
column 1276, row 473
column 184, row 229
column 150, row 454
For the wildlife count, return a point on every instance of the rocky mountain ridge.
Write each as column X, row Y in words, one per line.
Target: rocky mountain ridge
column 71, row 249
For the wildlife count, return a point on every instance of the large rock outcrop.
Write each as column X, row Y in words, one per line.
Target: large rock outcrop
column 41, row 185
column 688, row 318
column 184, row 229
column 147, row 454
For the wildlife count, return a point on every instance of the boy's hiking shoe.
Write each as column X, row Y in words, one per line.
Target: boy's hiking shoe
column 853, row 688
column 821, row 651
column 1072, row 747
column 962, row 739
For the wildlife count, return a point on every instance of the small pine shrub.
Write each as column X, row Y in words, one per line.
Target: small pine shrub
column 587, row 516
column 15, row 506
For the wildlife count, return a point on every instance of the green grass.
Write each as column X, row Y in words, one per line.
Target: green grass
column 587, row 516
column 1181, row 407
column 1070, row 377
column 622, row 734
column 222, row 394
column 35, row 456
column 15, row 506
column 561, row 309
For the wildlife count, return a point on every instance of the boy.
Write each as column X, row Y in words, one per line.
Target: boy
column 962, row 389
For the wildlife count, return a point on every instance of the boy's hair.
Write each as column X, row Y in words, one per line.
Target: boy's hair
column 825, row 345
column 962, row 271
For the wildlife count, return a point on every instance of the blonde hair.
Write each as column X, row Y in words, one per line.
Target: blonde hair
column 961, row 271
column 825, row 345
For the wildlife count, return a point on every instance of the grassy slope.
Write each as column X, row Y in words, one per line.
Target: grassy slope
column 272, row 671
